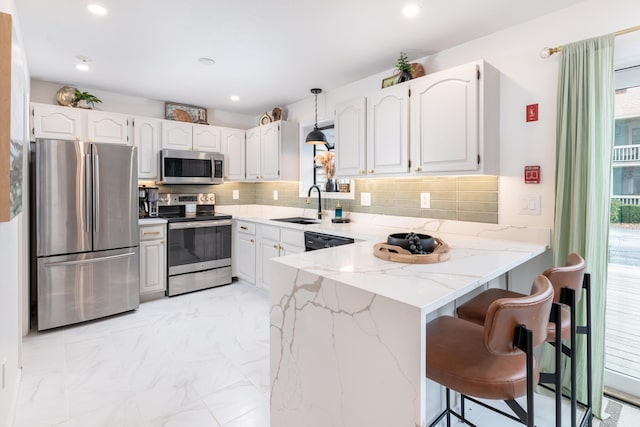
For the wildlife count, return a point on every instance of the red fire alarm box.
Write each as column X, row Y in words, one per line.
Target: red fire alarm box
column 532, row 113
column 532, row 174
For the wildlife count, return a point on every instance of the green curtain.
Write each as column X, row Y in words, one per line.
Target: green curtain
column 584, row 143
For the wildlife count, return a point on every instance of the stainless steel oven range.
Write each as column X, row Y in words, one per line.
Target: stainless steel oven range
column 198, row 242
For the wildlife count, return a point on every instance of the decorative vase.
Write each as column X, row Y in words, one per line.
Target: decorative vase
column 330, row 186
column 404, row 76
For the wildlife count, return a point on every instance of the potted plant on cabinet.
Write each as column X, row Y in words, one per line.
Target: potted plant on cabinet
column 404, row 67
column 87, row 97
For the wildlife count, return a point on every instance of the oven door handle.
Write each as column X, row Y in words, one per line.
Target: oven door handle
column 199, row 224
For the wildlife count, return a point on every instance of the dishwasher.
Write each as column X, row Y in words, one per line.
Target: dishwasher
column 314, row 241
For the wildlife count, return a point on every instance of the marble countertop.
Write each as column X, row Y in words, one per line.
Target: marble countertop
column 479, row 253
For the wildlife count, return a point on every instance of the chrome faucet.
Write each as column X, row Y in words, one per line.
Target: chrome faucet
column 320, row 213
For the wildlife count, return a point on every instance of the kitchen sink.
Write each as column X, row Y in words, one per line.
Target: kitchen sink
column 297, row 220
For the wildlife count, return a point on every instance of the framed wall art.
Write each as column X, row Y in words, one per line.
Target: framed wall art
column 13, row 118
column 185, row 113
column 390, row 81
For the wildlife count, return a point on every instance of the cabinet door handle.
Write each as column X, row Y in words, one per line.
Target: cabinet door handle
column 243, row 227
column 162, row 242
column 251, row 240
column 275, row 247
column 418, row 169
column 149, row 233
column 361, row 171
column 370, row 170
column 281, row 248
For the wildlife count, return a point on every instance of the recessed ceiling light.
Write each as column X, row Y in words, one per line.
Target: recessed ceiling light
column 411, row 10
column 96, row 9
column 235, row 98
column 206, row 61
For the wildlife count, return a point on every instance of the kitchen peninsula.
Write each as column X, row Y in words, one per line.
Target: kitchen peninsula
column 348, row 329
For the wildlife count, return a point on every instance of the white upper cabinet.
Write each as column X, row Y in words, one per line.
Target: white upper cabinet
column 54, row 122
column 272, row 152
column 253, row 153
column 177, row 135
column 107, row 127
column 67, row 123
column 233, row 148
column 146, row 137
column 388, row 131
column 351, row 141
column 206, row 138
column 270, row 145
column 443, row 123
column 454, row 120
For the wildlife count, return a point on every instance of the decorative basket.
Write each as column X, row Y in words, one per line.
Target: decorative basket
column 398, row 254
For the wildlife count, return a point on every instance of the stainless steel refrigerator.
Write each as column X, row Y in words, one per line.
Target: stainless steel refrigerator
column 86, row 230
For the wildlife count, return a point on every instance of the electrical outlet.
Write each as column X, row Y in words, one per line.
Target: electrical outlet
column 236, row 194
column 275, row 194
column 425, row 200
column 365, row 199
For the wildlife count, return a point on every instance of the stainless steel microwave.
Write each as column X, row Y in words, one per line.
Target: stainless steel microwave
column 191, row 167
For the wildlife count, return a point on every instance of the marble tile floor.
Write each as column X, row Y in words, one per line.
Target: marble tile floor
column 199, row 359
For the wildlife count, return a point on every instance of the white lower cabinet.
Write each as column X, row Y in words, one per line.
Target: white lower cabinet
column 274, row 242
column 153, row 261
column 244, row 251
column 267, row 249
column 256, row 244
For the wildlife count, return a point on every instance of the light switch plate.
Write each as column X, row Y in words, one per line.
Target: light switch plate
column 275, row 194
column 425, row 200
column 530, row 204
column 365, row 199
column 236, row 194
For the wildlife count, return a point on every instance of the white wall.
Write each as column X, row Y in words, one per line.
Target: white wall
column 526, row 79
column 45, row 92
column 14, row 268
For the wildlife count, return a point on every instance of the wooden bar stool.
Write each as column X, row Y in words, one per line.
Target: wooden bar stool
column 493, row 361
column 567, row 281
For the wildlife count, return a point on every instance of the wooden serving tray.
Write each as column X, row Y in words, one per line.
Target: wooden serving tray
column 398, row 254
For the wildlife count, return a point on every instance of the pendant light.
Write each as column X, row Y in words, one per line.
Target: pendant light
column 316, row 136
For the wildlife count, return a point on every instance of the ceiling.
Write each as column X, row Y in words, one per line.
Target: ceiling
column 267, row 53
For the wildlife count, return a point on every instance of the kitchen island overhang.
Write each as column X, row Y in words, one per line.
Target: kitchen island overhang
column 348, row 329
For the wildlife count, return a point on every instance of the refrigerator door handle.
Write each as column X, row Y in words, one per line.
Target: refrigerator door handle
column 87, row 194
column 96, row 192
column 89, row 260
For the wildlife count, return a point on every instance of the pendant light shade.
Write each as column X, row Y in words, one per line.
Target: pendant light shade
column 316, row 136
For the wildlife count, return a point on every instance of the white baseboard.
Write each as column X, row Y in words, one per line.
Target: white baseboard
column 13, row 405
column 622, row 382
